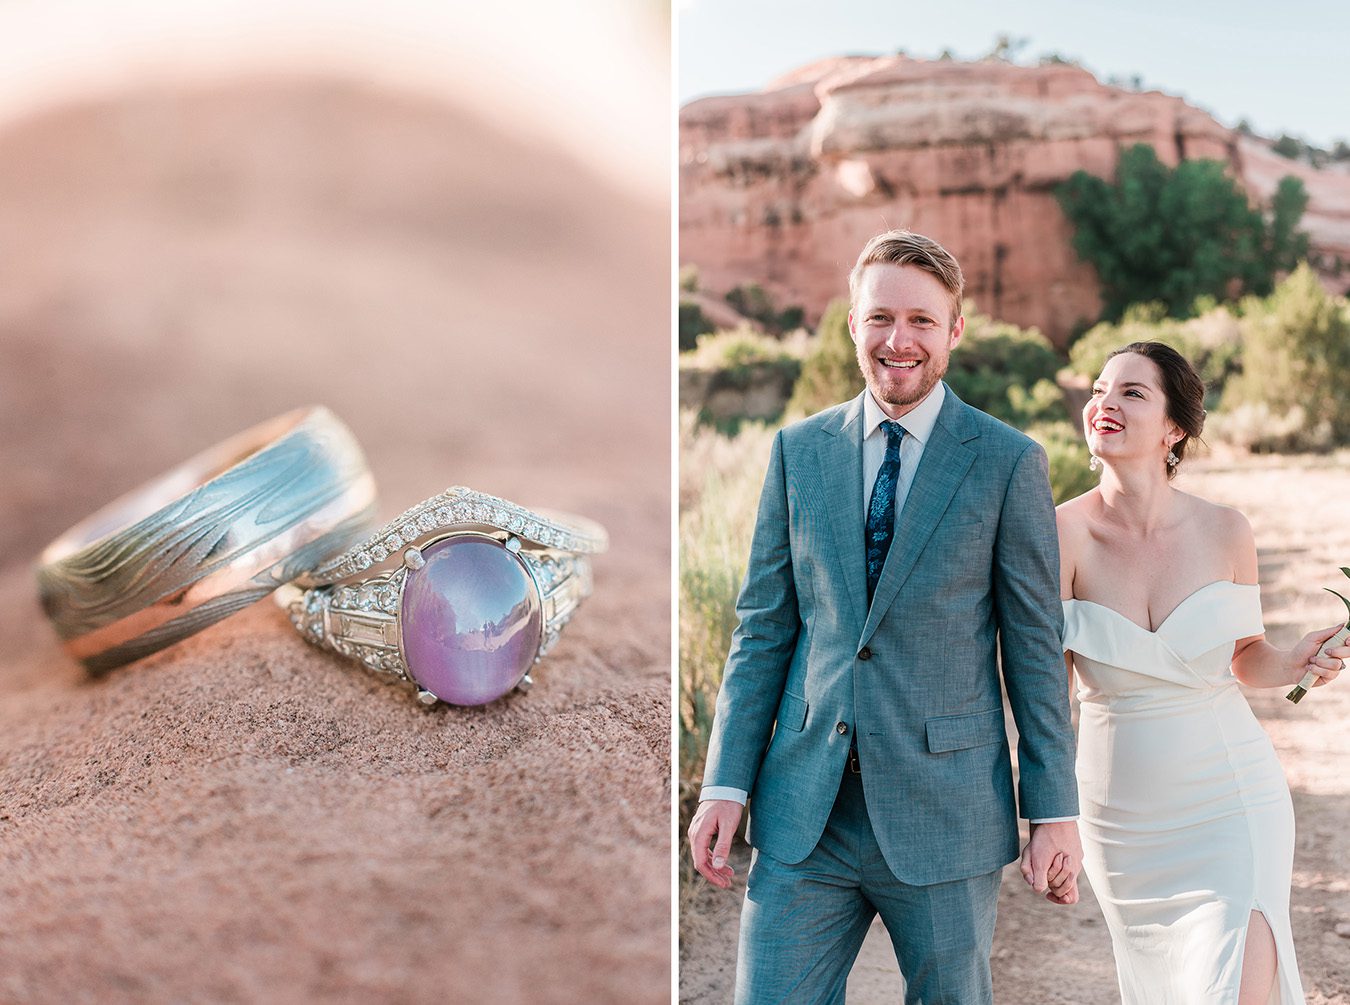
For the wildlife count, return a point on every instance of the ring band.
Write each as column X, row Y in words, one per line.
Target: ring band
column 207, row 539
column 461, row 595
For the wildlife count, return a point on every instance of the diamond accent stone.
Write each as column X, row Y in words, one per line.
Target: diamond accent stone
column 468, row 507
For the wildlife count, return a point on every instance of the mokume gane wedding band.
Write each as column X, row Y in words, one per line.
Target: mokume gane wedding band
column 460, row 596
column 206, row 539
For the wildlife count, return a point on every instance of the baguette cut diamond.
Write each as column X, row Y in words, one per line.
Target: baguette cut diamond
column 472, row 620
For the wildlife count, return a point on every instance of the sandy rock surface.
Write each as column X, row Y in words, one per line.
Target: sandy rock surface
column 243, row 817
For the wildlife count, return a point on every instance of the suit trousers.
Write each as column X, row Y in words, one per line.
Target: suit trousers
column 802, row 925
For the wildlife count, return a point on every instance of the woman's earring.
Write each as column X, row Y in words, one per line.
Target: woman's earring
column 1094, row 462
column 1172, row 459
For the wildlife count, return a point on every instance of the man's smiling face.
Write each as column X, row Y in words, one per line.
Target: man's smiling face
column 902, row 326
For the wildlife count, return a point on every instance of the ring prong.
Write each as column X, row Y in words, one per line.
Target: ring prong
column 525, row 684
column 426, row 697
column 513, row 544
column 413, row 559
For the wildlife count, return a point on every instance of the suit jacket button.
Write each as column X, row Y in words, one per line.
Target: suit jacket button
column 864, row 653
column 841, row 728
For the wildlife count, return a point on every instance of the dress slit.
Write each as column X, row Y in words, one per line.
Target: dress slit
column 1281, row 991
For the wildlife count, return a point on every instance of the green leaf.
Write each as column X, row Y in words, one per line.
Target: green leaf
column 1343, row 600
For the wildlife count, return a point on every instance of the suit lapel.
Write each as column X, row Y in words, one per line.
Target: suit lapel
column 945, row 463
column 840, row 456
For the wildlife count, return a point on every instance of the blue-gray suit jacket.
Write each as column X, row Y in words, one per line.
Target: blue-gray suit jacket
column 972, row 573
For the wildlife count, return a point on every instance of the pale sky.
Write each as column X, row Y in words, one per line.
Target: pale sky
column 1284, row 66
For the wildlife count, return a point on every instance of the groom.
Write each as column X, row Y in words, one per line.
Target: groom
column 904, row 543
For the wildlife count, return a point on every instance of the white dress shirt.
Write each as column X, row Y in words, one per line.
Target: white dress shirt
column 918, row 424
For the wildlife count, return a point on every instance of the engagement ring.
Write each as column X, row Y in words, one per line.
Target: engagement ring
column 207, row 539
column 461, row 595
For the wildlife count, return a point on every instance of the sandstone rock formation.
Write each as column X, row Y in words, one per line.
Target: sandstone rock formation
column 782, row 187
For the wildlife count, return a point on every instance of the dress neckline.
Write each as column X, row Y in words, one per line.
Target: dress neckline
column 1182, row 603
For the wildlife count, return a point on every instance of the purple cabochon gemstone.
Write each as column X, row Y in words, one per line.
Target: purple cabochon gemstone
column 471, row 620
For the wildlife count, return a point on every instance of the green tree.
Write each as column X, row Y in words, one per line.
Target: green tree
column 1177, row 234
column 1007, row 47
column 1288, row 146
column 1288, row 245
column 693, row 323
column 830, row 374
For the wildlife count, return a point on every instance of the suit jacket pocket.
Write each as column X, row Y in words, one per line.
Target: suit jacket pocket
column 958, row 732
column 960, row 533
column 792, row 712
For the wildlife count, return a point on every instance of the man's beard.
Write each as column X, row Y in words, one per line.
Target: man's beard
column 933, row 371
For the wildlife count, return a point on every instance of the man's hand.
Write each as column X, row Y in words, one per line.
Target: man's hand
column 715, row 818
column 1051, row 860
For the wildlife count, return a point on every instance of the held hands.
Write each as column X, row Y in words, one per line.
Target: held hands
column 1051, row 860
column 715, row 818
column 1304, row 658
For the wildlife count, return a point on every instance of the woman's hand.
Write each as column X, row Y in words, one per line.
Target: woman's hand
column 1304, row 657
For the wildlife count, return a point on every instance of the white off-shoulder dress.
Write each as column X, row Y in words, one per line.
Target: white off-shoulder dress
column 1186, row 819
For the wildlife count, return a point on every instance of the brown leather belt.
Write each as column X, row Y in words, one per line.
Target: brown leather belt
column 853, row 764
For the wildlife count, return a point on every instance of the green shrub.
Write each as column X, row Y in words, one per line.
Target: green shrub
column 693, row 323
column 1210, row 342
column 736, row 347
column 1068, row 455
column 1006, row 371
column 830, row 371
column 1292, row 393
column 754, row 302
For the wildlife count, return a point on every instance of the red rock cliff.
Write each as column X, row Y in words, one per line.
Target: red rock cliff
column 783, row 187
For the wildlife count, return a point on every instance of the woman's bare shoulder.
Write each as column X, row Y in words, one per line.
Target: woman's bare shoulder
column 1073, row 520
column 1228, row 532
column 1222, row 521
column 1073, row 516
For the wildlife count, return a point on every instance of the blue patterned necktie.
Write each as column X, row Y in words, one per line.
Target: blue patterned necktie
column 881, row 507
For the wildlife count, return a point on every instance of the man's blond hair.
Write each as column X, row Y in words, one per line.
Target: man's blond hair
column 904, row 247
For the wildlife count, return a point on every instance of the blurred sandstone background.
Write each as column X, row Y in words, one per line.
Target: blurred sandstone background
column 1088, row 211
column 451, row 226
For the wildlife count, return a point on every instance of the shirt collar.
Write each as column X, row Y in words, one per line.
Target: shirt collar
column 918, row 422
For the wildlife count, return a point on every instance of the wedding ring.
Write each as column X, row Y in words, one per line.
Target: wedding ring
column 460, row 596
column 207, row 539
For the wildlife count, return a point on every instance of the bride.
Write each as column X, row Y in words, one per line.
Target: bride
column 1186, row 820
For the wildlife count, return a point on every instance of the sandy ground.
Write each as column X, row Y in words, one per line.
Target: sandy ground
column 242, row 817
column 1047, row 955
